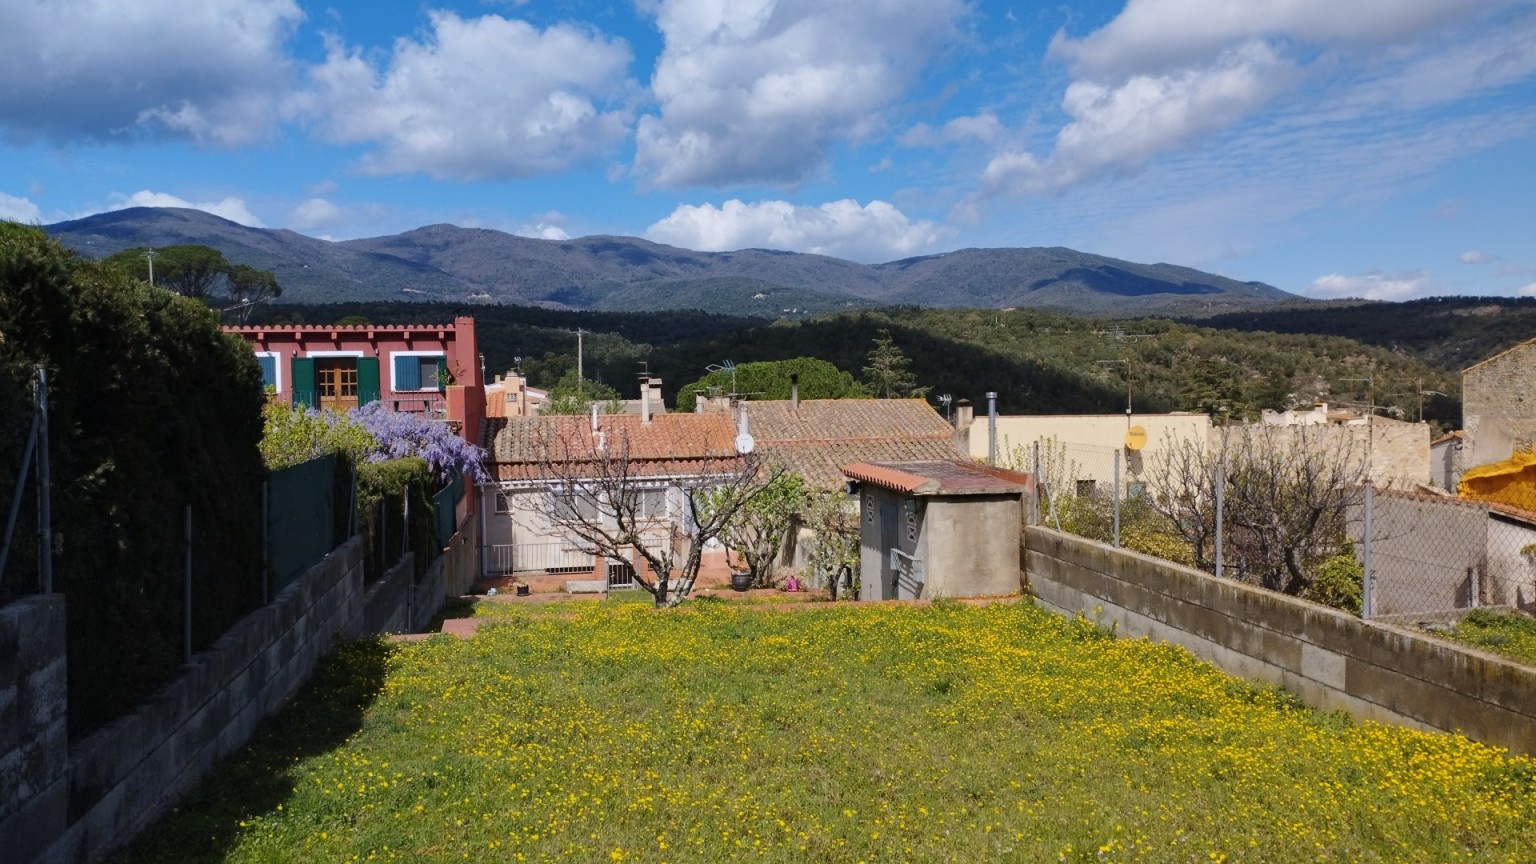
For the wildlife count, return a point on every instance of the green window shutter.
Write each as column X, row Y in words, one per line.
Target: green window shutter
column 442, row 372
column 407, row 372
column 301, row 375
column 268, row 371
column 367, row 380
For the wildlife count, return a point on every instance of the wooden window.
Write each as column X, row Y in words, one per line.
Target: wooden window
column 336, row 382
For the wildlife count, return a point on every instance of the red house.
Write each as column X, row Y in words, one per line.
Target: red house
column 430, row 368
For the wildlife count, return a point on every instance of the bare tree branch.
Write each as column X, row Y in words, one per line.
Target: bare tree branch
column 606, row 500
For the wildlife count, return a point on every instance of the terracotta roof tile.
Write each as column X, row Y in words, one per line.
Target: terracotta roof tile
column 940, row 477
column 819, row 437
column 671, row 444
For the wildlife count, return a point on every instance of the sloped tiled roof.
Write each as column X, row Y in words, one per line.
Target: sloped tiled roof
column 816, row 439
column 940, row 477
column 671, row 444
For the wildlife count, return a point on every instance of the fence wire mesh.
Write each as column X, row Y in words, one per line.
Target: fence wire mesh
column 1296, row 517
column 1434, row 557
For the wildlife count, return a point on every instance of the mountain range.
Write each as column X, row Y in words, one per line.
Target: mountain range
column 449, row 264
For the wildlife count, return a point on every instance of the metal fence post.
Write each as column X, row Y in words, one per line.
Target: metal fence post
column 1117, row 499
column 1367, row 591
column 1221, row 499
column 266, row 542
column 187, row 591
column 44, row 502
column 992, row 428
column 1038, row 485
column 16, row 494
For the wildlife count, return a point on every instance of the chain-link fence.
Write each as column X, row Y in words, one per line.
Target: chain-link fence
column 1292, row 514
column 1431, row 557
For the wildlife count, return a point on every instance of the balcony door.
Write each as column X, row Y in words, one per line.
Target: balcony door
column 336, row 382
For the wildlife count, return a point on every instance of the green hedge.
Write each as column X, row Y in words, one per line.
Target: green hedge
column 152, row 409
column 381, row 514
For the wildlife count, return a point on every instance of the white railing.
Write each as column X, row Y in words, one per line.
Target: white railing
column 533, row 557
column 496, row 560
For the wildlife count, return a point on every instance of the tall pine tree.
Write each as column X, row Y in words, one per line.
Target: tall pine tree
column 888, row 374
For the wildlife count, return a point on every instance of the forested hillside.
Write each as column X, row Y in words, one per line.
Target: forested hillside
column 1037, row 362
column 1452, row 332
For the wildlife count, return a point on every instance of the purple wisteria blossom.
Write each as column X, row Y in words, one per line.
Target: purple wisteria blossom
column 400, row 434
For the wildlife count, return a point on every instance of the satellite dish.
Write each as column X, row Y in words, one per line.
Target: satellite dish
column 744, row 443
column 1135, row 438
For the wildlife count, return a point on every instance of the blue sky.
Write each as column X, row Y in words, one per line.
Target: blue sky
column 1379, row 148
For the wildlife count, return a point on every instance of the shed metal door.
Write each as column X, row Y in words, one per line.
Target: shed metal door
column 889, row 540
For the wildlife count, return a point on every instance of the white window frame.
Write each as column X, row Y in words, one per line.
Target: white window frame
column 394, row 354
column 277, row 367
column 501, row 502
column 554, row 498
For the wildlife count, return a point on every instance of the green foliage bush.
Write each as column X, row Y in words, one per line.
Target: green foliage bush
column 1338, row 581
column 770, row 380
column 152, row 409
column 384, row 492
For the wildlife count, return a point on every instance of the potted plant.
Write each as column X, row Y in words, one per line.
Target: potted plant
column 520, row 588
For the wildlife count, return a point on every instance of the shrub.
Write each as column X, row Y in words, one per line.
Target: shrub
column 152, row 409
column 1338, row 581
column 383, row 490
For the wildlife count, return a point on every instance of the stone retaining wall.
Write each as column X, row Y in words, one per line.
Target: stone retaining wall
column 1331, row 659
column 80, row 803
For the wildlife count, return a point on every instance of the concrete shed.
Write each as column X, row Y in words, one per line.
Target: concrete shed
column 945, row 528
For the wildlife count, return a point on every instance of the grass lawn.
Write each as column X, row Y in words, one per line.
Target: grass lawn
column 1513, row 636
column 604, row 731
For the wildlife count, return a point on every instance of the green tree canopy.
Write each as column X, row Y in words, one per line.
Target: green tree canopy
column 889, row 373
column 770, row 380
column 572, row 395
column 197, row 271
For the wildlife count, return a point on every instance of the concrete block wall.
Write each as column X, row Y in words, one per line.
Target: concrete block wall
column 1331, row 659
column 385, row 608
column 34, row 734
column 396, row 603
column 127, row 774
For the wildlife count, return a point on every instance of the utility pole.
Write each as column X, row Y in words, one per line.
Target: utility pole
column 579, row 376
column 149, row 255
column 1127, row 362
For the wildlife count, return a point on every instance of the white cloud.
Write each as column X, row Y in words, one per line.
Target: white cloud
column 983, row 127
column 212, row 71
column 1165, row 75
column 1371, row 286
column 870, row 233
column 1124, row 126
column 1527, row 291
column 231, row 208
column 475, row 99
column 545, row 227
column 1473, row 256
column 19, row 209
column 758, row 91
column 316, row 213
column 1159, row 35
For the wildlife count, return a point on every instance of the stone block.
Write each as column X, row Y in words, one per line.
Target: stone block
column 27, row 833
column 10, row 720
column 15, row 784
column 586, row 586
column 39, row 631
column 43, row 695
